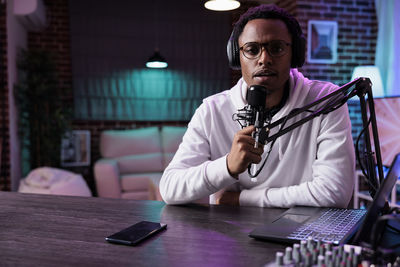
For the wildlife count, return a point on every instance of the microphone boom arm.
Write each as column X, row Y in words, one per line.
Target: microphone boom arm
column 336, row 99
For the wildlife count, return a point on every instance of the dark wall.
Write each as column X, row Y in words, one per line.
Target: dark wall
column 112, row 40
column 357, row 40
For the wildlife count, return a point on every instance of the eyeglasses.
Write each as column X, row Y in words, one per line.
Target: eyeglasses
column 275, row 48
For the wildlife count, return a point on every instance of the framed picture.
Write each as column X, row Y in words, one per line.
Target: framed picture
column 75, row 149
column 322, row 41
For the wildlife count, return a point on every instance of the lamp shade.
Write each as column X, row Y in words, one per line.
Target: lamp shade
column 156, row 61
column 373, row 73
column 222, row 5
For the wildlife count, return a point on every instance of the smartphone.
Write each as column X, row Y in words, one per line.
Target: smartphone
column 136, row 233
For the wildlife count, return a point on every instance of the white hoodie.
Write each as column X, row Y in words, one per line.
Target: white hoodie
column 312, row 165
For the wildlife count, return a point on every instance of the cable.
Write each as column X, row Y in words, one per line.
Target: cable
column 394, row 212
column 265, row 160
column 393, row 228
column 366, row 178
column 377, row 229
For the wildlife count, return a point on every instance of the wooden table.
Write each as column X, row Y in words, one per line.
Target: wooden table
column 48, row 230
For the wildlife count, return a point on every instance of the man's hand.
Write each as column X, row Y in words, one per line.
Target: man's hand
column 243, row 152
column 228, row 198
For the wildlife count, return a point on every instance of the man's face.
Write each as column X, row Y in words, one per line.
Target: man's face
column 271, row 72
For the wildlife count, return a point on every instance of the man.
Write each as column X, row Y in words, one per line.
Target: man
column 311, row 165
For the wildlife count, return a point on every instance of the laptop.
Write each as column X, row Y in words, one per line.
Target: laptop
column 333, row 225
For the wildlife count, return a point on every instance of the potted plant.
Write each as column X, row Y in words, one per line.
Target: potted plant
column 42, row 119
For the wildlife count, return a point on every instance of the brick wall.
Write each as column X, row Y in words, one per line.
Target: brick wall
column 357, row 35
column 55, row 39
column 4, row 106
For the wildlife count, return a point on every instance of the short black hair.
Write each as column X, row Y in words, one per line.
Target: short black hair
column 267, row 11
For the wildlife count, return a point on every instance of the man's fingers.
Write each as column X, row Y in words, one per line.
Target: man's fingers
column 243, row 152
column 246, row 134
column 247, row 130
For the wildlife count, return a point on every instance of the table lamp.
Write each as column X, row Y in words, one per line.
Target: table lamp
column 373, row 73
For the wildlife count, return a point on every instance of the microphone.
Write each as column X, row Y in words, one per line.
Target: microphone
column 256, row 96
column 254, row 113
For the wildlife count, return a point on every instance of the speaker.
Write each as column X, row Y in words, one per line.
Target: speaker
column 298, row 51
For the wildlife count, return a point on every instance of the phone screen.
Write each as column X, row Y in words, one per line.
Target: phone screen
column 136, row 233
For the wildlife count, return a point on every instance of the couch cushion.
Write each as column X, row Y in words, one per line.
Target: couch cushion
column 167, row 158
column 135, row 184
column 128, row 180
column 117, row 143
column 142, row 195
column 171, row 137
column 151, row 162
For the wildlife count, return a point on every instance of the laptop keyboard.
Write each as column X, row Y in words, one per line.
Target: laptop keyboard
column 332, row 226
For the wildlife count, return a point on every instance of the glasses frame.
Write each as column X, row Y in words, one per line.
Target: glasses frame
column 265, row 47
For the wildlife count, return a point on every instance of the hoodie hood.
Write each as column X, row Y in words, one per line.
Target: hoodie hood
column 296, row 82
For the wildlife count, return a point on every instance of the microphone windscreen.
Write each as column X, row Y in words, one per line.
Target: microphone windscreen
column 256, row 96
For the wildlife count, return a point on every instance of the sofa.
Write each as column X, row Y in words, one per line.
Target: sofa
column 132, row 161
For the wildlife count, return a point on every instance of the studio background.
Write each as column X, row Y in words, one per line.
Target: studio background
column 101, row 47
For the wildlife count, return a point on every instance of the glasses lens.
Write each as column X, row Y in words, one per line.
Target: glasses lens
column 276, row 48
column 251, row 50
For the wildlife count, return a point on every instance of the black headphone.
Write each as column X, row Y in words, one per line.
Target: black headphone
column 298, row 50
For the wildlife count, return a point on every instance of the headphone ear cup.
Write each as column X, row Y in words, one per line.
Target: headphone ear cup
column 232, row 50
column 299, row 52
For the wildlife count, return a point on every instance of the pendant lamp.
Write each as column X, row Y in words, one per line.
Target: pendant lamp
column 156, row 61
column 222, row 5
